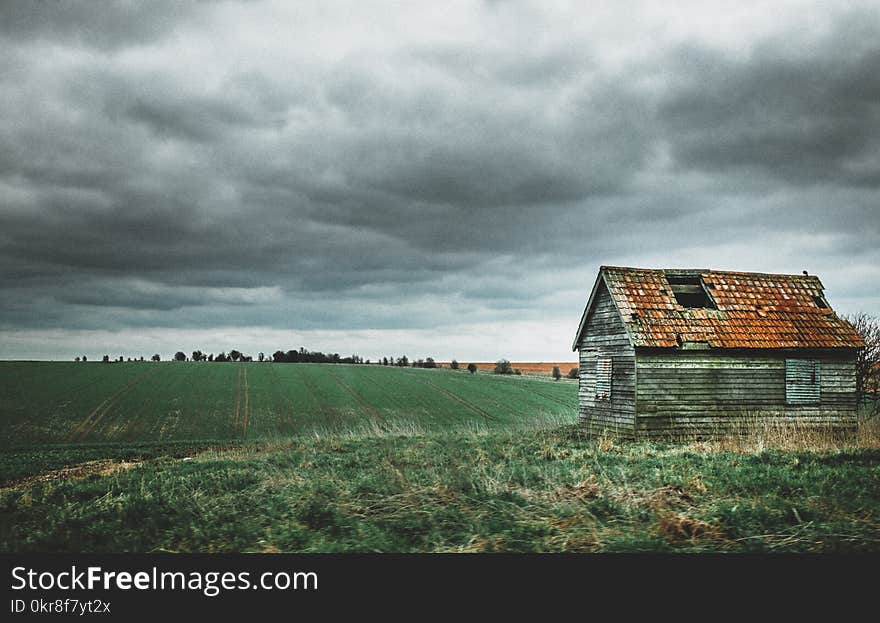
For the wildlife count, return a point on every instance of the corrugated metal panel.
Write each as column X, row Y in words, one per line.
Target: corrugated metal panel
column 802, row 381
column 603, row 378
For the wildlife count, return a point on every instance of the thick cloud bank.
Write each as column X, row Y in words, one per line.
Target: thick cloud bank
column 431, row 179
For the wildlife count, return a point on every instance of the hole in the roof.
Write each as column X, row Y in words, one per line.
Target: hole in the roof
column 820, row 302
column 689, row 292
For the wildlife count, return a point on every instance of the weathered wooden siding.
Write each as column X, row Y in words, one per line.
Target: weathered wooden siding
column 708, row 393
column 605, row 336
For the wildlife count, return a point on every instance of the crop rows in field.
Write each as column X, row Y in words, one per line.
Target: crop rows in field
column 42, row 402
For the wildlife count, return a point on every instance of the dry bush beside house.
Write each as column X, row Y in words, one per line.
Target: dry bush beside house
column 868, row 360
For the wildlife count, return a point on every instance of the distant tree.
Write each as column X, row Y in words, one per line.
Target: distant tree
column 105, row 359
column 120, row 358
column 142, row 358
column 156, row 357
column 403, row 361
column 85, row 358
column 556, row 373
column 430, row 363
column 384, row 361
column 517, row 371
column 454, row 365
column 868, row 359
column 472, row 368
column 234, row 355
column 261, row 357
column 197, row 355
column 503, row 366
column 179, row 356
column 573, row 373
column 221, row 357
column 211, row 357
column 77, row 360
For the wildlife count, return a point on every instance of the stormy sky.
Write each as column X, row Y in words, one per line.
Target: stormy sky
column 424, row 178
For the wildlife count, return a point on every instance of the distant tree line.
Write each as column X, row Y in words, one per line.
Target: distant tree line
column 234, row 355
column 304, row 355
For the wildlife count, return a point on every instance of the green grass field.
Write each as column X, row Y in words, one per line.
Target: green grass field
column 266, row 458
column 44, row 402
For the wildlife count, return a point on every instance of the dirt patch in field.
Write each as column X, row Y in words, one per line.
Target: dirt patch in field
column 658, row 500
column 107, row 467
column 74, row 472
column 676, row 528
column 540, row 368
column 582, row 491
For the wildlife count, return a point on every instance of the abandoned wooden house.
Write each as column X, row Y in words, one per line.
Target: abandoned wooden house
column 693, row 352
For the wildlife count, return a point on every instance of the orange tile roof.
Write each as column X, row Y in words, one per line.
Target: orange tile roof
column 754, row 310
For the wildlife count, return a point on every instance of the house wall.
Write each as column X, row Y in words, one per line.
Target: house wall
column 605, row 335
column 708, row 393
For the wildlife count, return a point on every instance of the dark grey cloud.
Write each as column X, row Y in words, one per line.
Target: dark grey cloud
column 804, row 117
column 105, row 25
column 192, row 166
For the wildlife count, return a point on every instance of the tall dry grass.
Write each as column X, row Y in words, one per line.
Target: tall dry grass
column 751, row 433
column 757, row 434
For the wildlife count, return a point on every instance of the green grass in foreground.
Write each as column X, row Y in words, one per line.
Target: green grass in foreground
column 544, row 490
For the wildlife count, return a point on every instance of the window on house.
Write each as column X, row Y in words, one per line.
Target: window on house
column 820, row 302
column 802, row 383
column 688, row 290
column 603, row 378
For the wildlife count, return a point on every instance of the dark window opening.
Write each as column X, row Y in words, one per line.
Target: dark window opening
column 689, row 292
column 820, row 302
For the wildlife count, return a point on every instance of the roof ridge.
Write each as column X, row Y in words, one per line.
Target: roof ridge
column 711, row 271
column 745, row 272
column 652, row 270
